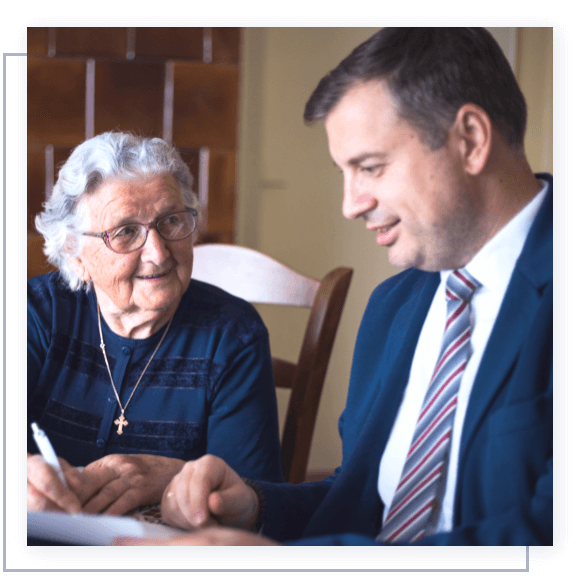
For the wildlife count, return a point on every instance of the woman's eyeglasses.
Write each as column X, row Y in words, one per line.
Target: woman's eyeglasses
column 132, row 236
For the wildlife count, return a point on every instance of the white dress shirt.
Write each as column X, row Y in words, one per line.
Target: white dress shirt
column 492, row 266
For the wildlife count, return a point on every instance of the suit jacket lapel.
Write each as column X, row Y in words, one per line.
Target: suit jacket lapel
column 532, row 272
column 408, row 321
column 373, row 439
column 356, row 486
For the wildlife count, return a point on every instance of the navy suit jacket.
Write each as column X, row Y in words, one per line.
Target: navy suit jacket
column 504, row 492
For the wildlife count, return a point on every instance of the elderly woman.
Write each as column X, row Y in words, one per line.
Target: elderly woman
column 133, row 367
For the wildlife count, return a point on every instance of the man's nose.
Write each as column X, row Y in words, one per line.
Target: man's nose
column 356, row 202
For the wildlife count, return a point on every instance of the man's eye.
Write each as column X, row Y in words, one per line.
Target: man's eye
column 372, row 170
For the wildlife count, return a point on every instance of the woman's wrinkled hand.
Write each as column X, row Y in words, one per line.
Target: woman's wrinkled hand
column 46, row 491
column 118, row 483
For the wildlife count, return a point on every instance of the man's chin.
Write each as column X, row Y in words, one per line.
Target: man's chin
column 398, row 259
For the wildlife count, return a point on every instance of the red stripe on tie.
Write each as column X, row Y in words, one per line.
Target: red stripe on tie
column 464, row 279
column 415, row 490
column 432, row 425
column 455, row 315
column 432, row 400
column 408, row 523
column 451, row 295
column 418, row 466
column 465, row 336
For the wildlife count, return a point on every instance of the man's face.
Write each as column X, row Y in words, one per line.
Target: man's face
column 416, row 200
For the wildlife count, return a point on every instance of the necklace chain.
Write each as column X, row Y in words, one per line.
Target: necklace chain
column 121, row 421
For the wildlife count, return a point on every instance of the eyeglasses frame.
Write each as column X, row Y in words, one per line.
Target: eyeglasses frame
column 152, row 225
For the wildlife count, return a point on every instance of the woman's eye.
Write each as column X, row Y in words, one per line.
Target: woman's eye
column 171, row 220
column 126, row 231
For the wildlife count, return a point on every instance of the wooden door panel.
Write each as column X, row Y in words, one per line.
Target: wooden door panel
column 205, row 105
column 37, row 41
column 36, row 182
column 191, row 157
column 226, row 45
column 129, row 97
column 43, row 164
column 221, row 210
column 56, row 101
column 170, row 43
column 92, row 42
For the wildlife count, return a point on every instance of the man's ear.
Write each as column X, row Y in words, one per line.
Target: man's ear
column 472, row 129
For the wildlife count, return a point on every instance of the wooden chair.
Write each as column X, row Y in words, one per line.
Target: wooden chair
column 258, row 278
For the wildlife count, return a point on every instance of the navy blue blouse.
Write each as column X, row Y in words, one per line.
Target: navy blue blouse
column 209, row 389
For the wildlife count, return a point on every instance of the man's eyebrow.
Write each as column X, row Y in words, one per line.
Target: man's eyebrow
column 364, row 157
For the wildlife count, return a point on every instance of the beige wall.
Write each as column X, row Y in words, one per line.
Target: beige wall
column 289, row 193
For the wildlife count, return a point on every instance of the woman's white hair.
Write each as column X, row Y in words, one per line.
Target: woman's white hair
column 106, row 157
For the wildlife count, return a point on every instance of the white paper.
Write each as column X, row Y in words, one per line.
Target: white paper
column 92, row 529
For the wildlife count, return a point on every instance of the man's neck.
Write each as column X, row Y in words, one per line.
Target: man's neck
column 508, row 188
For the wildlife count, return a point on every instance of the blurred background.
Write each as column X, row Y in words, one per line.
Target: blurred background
column 232, row 100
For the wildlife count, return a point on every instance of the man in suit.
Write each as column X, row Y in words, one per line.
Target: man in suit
column 427, row 128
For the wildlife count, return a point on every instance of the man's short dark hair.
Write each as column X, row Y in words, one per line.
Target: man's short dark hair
column 431, row 73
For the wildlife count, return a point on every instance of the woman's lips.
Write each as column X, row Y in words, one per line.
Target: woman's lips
column 153, row 276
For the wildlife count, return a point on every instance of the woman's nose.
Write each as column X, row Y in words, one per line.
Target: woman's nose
column 155, row 247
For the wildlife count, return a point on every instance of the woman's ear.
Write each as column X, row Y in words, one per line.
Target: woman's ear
column 79, row 268
column 472, row 129
column 76, row 261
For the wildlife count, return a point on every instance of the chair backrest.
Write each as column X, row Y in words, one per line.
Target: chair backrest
column 258, row 278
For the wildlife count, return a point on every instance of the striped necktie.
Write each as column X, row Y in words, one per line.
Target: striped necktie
column 416, row 496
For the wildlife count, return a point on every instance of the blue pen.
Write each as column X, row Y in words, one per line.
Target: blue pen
column 46, row 449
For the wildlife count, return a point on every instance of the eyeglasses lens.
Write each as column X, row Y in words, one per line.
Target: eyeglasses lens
column 132, row 236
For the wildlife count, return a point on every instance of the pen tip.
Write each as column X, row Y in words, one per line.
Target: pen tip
column 34, row 427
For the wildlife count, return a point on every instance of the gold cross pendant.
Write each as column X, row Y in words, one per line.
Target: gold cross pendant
column 121, row 422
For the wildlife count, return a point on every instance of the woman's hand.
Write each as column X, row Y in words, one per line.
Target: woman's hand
column 118, row 483
column 46, row 492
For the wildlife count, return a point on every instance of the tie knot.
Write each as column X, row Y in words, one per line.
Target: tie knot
column 461, row 285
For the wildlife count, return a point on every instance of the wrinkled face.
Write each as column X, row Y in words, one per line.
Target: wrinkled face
column 414, row 199
column 151, row 280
